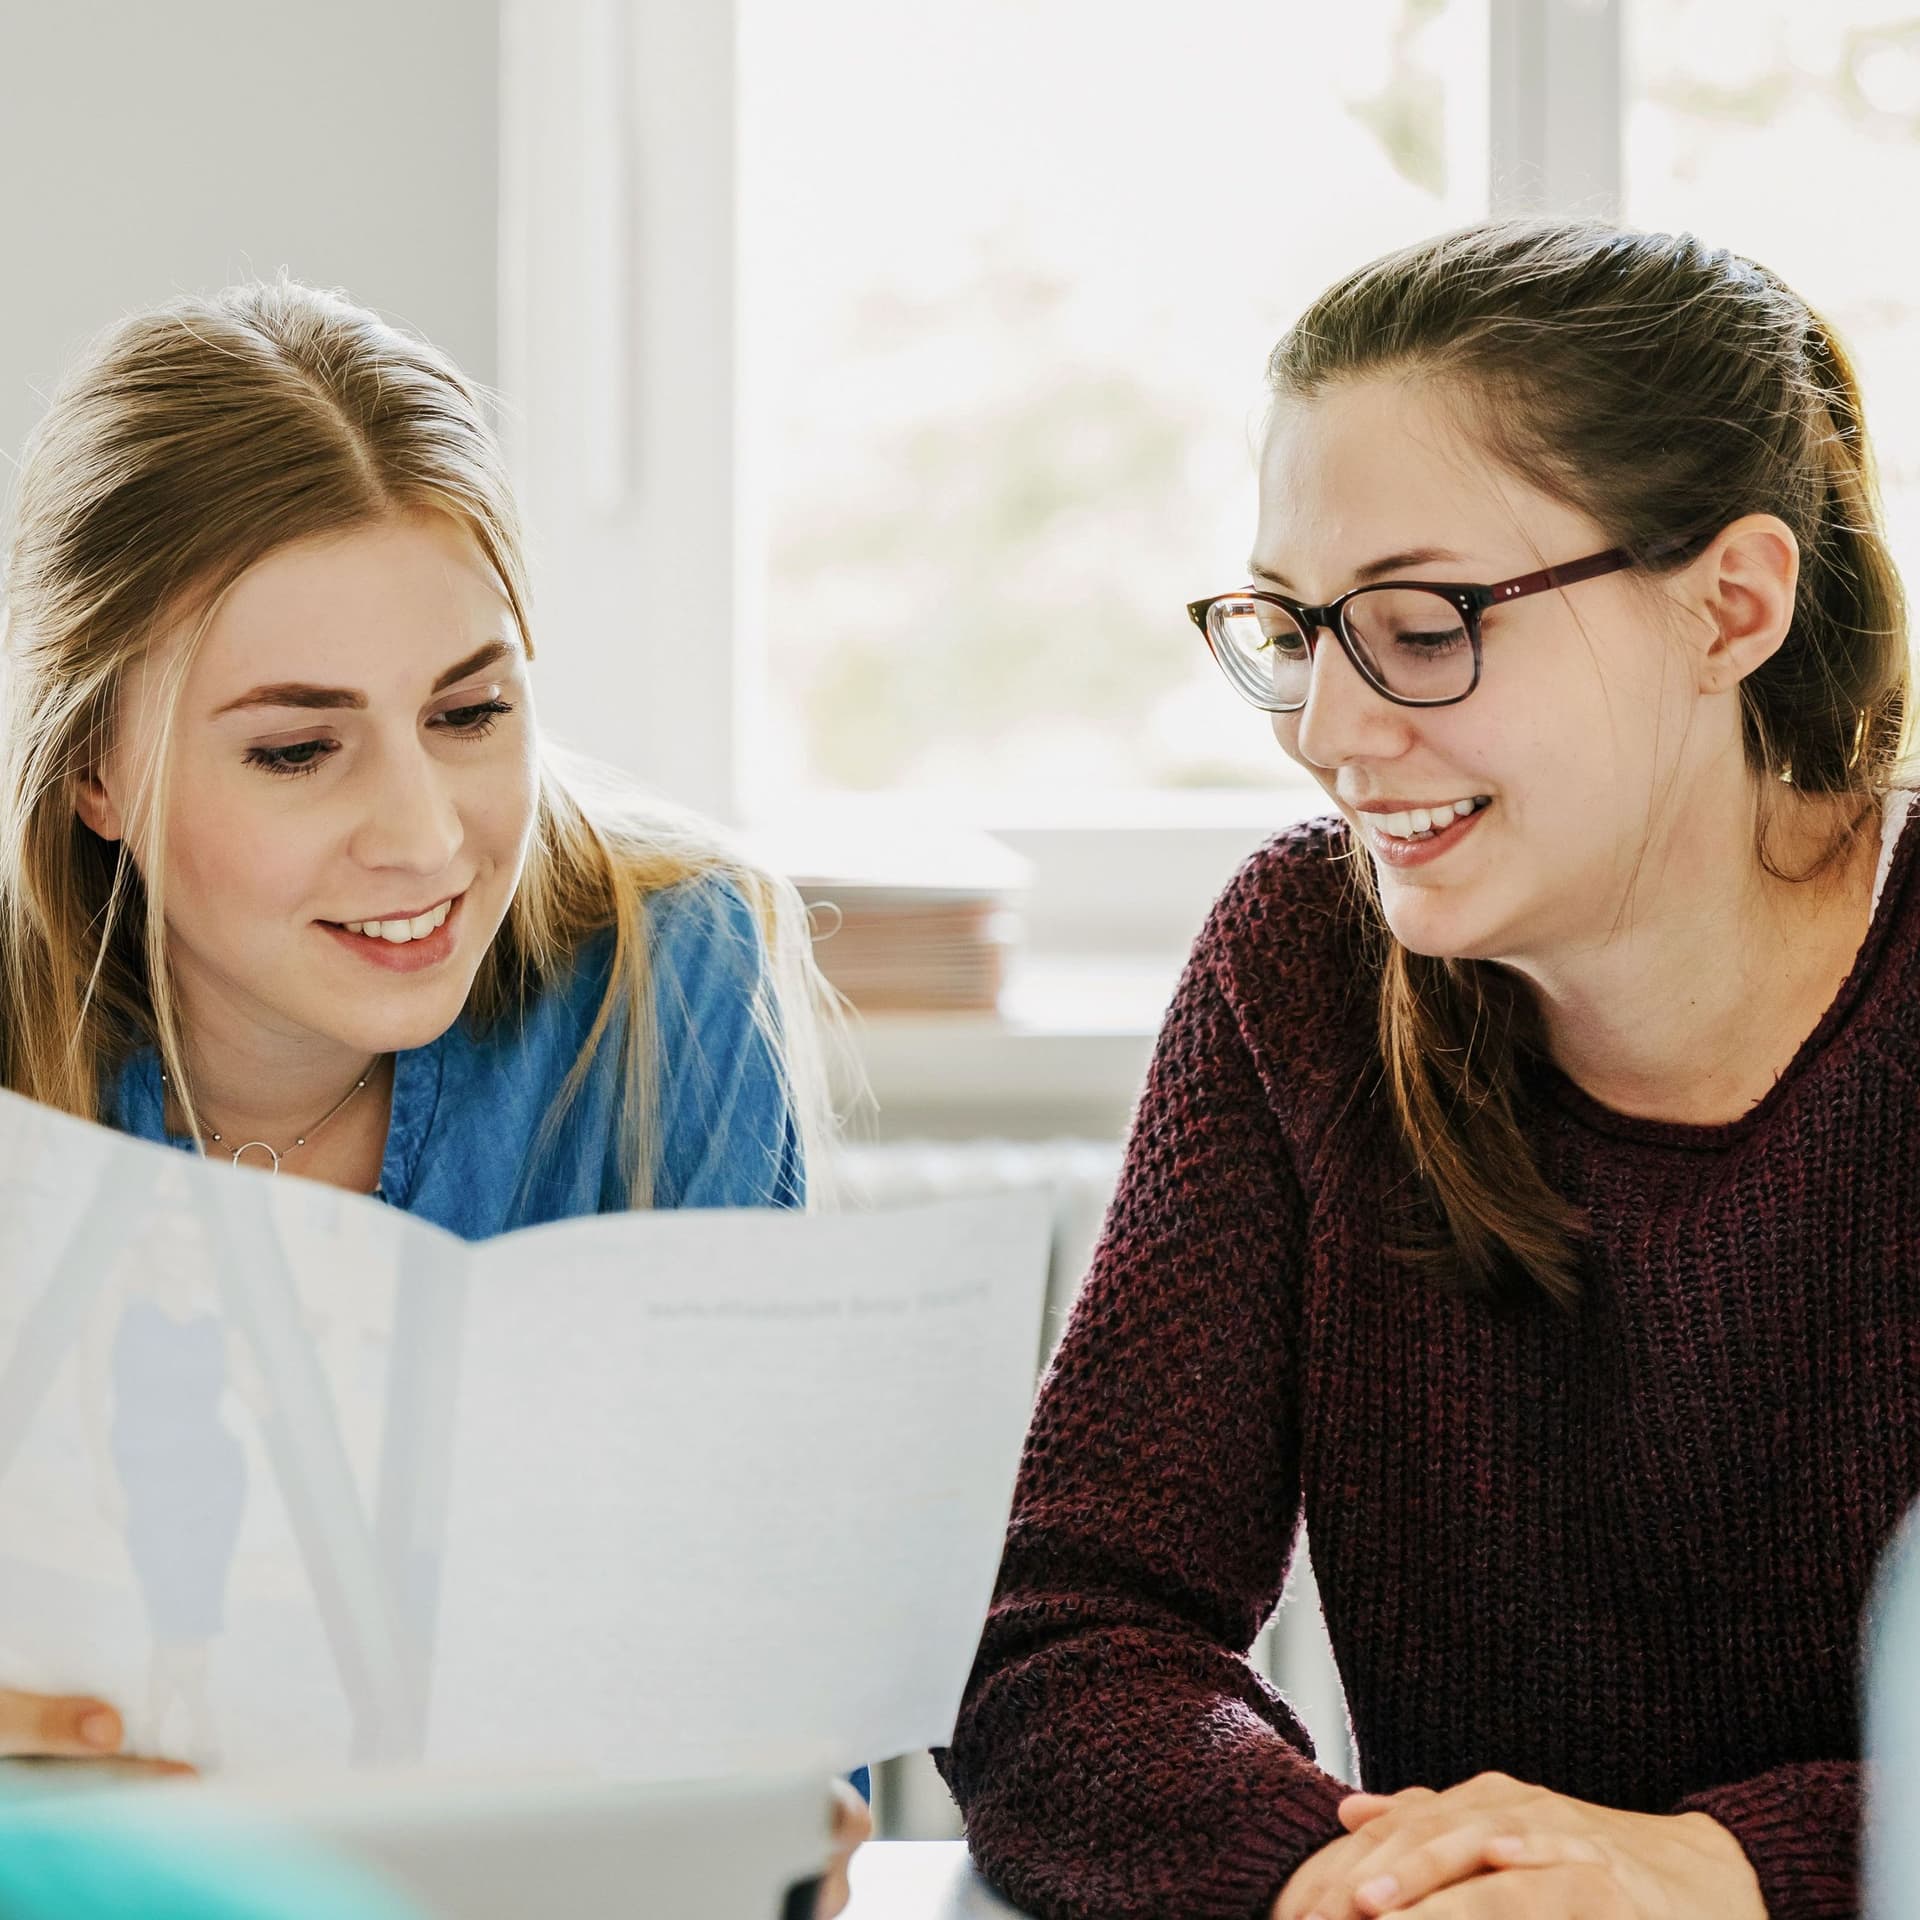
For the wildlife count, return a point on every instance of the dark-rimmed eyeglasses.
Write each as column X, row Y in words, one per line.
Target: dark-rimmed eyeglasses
column 1414, row 642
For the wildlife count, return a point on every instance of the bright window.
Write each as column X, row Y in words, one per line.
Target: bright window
column 1791, row 133
column 1009, row 278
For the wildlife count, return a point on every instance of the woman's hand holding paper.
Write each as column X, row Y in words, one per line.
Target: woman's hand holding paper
column 852, row 1824
column 36, row 1726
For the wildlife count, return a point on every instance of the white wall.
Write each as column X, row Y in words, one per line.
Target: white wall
column 542, row 187
column 151, row 147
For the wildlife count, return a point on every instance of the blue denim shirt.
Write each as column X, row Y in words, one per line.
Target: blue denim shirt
column 464, row 1145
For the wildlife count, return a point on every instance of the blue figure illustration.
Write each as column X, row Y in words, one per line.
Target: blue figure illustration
column 174, row 1472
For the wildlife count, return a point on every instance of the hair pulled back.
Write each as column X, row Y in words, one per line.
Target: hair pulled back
column 1665, row 389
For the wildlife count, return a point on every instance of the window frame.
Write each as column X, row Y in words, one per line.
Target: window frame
column 623, row 272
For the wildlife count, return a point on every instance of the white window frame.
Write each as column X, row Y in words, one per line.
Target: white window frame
column 621, row 283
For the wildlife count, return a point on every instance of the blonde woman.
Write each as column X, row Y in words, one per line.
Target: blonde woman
column 285, row 872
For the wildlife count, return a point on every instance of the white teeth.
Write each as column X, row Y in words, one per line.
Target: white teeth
column 399, row 932
column 1418, row 821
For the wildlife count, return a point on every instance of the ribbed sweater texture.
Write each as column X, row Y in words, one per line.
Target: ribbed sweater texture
column 1622, row 1552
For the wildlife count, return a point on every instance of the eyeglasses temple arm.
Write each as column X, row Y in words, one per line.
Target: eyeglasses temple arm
column 1570, row 575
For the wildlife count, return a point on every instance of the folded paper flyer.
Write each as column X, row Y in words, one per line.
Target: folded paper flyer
column 298, row 1481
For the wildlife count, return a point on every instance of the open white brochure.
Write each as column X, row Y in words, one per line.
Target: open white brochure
column 299, row 1481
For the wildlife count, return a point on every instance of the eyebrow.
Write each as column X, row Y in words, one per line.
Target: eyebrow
column 299, row 693
column 1374, row 569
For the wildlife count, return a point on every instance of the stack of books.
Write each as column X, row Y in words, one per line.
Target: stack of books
column 914, row 920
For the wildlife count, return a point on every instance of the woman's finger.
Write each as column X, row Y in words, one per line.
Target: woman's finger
column 75, row 1727
column 1540, row 1849
column 1554, row 1893
column 1357, row 1809
column 1399, row 1876
column 832, row 1893
column 1321, row 1885
column 107, row 1766
column 852, row 1821
column 852, row 1826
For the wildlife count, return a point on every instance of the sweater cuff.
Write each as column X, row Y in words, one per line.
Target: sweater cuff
column 1807, row 1870
column 1263, row 1856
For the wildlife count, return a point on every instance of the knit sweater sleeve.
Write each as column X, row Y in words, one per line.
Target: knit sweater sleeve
column 1115, row 1755
column 1800, row 1827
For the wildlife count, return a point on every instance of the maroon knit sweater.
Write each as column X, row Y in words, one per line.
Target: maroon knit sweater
column 1622, row 1554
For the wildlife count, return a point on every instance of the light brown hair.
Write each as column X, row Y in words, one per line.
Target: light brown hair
column 1664, row 388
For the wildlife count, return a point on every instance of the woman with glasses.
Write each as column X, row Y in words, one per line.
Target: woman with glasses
column 1525, row 1195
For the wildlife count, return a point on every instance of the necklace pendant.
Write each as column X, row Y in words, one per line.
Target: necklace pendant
column 273, row 1157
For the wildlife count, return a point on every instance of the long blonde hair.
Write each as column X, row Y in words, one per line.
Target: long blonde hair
column 189, row 443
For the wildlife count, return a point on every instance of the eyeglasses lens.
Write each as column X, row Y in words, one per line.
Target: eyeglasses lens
column 1414, row 644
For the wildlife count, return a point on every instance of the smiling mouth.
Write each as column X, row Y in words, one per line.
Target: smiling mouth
column 400, row 930
column 1422, row 823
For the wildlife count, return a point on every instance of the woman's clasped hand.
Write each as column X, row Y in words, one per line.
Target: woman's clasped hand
column 1494, row 1846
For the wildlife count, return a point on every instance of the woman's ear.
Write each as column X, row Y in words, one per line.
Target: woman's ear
column 93, row 801
column 1745, row 589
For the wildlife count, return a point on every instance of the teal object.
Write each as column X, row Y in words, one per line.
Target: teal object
column 149, row 1855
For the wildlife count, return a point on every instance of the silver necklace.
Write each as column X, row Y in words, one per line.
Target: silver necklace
column 219, row 1140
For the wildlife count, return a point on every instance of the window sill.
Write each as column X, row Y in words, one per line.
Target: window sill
column 1065, row 1052
column 1109, row 918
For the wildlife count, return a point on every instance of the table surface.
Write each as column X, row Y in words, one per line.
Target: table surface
column 920, row 1880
